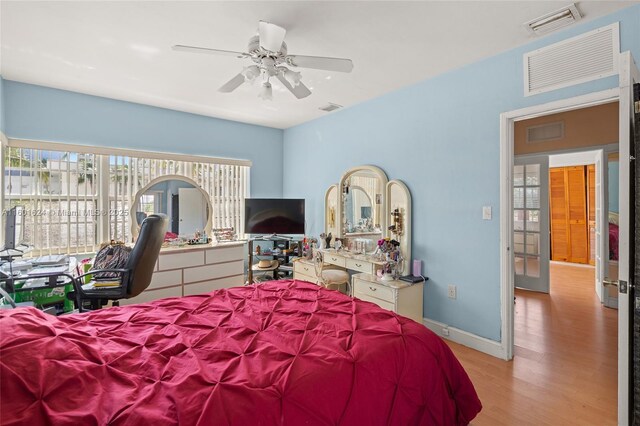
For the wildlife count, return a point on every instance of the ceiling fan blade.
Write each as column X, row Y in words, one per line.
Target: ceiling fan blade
column 232, row 84
column 271, row 36
column 300, row 91
column 320, row 63
column 195, row 49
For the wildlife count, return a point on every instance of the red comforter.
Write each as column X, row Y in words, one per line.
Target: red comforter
column 283, row 352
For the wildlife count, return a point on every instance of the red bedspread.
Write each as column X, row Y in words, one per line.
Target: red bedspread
column 283, row 352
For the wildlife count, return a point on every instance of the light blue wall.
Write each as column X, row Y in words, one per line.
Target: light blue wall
column 36, row 112
column 441, row 137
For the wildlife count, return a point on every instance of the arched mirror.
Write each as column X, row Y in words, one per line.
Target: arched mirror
column 358, row 210
column 363, row 202
column 186, row 204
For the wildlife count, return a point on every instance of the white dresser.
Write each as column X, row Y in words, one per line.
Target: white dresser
column 398, row 296
column 183, row 271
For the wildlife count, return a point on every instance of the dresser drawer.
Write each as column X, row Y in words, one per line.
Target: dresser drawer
column 303, row 277
column 334, row 259
column 382, row 303
column 377, row 291
column 304, row 268
column 360, row 266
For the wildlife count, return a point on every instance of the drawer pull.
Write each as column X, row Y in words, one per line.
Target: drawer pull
column 305, row 268
column 372, row 288
column 359, row 265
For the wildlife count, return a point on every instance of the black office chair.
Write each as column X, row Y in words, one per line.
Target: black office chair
column 136, row 275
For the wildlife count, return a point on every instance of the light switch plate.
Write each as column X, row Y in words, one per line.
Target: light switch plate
column 486, row 212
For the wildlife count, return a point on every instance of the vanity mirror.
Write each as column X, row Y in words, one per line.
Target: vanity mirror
column 362, row 202
column 369, row 208
column 186, row 204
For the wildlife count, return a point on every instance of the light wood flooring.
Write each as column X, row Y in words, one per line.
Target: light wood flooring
column 564, row 371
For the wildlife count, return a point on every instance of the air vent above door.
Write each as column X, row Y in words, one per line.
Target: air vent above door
column 583, row 58
column 545, row 132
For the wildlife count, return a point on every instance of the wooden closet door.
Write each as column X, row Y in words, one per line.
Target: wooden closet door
column 577, row 214
column 558, row 207
column 591, row 201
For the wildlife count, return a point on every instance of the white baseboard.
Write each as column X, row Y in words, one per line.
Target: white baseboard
column 482, row 344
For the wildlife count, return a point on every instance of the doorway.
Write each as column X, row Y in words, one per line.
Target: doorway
column 559, row 219
column 560, row 192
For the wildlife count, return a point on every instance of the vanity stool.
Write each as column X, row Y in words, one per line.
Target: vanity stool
column 330, row 278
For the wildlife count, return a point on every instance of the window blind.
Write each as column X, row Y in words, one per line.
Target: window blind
column 59, row 194
column 227, row 186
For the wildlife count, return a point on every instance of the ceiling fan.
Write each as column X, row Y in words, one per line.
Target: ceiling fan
column 268, row 51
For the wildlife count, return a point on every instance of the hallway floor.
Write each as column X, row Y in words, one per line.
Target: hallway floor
column 564, row 371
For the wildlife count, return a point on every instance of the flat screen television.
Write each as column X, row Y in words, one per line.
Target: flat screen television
column 14, row 228
column 274, row 216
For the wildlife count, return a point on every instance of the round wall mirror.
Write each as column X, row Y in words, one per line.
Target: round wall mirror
column 182, row 200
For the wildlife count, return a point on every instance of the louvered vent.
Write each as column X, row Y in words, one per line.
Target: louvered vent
column 545, row 132
column 586, row 57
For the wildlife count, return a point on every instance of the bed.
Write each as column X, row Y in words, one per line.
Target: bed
column 281, row 352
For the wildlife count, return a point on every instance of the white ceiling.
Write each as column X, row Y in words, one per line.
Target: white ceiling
column 121, row 50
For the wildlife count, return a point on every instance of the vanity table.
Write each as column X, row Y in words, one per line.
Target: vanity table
column 351, row 261
column 304, row 269
column 400, row 297
column 364, row 207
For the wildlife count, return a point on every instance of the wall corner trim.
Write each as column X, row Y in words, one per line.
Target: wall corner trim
column 482, row 344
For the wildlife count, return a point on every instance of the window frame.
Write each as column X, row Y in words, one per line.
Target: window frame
column 186, row 164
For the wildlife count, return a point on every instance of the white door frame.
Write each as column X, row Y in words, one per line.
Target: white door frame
column 628, row 75
column 507, row 120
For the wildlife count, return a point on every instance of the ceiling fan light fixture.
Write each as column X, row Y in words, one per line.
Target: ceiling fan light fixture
column 292, row 77
column 266, row 93
column 250, row 73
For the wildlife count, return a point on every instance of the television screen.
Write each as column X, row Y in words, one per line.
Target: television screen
column 273, row 216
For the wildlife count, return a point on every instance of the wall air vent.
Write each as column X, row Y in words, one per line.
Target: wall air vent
column 545, row 132
column 554, row 20
column 587, row 57
column 330, row 107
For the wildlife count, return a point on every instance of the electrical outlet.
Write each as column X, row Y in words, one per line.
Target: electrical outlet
column 452, row 291
column 445, row 331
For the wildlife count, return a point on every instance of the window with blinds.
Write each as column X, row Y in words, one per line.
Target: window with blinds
column 59, row 193
column 75, row 200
